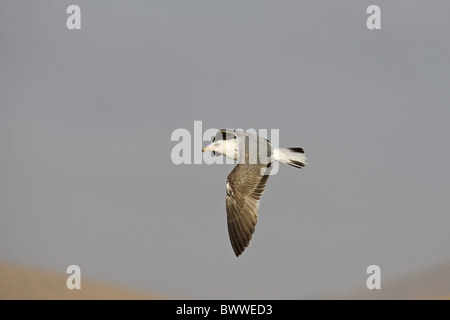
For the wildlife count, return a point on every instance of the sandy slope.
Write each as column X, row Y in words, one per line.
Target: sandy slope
column 17, row 282
column 431, row 283
column 26, row 283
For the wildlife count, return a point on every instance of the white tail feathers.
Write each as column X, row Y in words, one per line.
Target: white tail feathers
column 292, row 156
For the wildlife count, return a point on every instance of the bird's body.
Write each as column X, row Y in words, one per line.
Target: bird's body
column 246, row 183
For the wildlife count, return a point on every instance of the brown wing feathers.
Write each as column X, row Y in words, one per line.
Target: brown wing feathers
column 245, row 186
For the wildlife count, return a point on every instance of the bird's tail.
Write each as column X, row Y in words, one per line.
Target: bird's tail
column 292, row 156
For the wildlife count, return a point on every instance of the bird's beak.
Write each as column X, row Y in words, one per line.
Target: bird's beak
column 208, row 148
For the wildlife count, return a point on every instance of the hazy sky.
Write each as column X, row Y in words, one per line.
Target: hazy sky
column 86, row 118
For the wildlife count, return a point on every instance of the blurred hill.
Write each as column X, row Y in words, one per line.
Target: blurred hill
column 21, row 283
column 432, row 283
column 18, row 282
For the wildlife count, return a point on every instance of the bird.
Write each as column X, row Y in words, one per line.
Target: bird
column 247, row 181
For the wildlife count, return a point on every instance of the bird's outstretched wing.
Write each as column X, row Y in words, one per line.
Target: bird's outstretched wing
column 245, row 186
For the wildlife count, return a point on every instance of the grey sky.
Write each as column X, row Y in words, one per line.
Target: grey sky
column 86, row 118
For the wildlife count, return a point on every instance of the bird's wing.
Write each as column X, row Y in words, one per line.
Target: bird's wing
column 245, row 186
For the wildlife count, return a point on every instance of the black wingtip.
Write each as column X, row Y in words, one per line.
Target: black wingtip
column 297, row 149
column 296, row 164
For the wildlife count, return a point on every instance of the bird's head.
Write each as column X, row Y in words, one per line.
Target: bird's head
column 226, row 147
column 216, row 147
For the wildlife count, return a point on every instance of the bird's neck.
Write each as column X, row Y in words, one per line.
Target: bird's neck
column 230, row 149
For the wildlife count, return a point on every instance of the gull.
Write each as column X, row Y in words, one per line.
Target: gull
column 246, row 183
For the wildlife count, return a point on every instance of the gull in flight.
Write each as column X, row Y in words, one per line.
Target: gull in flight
column 246, row 183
